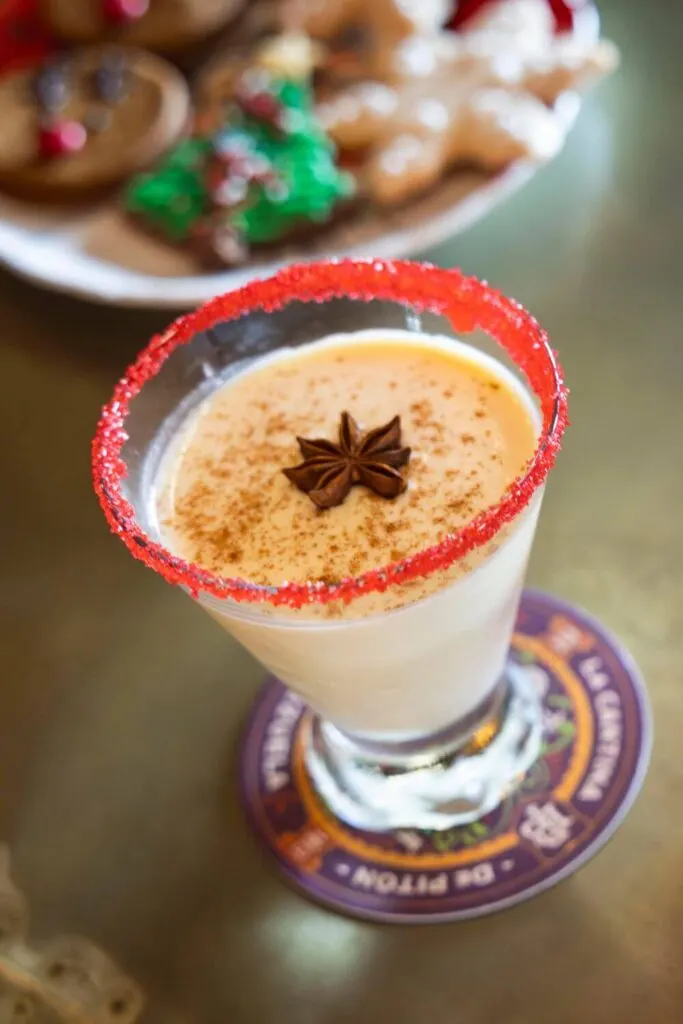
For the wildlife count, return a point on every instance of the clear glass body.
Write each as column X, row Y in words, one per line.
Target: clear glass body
column 406, row 674
column 403, row 698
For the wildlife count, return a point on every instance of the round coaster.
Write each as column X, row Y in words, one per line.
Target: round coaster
column 597, row 740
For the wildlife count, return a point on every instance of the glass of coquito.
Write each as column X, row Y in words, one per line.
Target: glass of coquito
column 333, row 463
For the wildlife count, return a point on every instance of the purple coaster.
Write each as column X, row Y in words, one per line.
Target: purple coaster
column 597, row 740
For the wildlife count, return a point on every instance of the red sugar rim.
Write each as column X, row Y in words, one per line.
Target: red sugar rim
column 468, row 305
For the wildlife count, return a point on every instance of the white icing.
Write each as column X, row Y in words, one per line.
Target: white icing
column 520, row 117
column 380, row 99
column 256, row 79
column 416, row 58
column 231, row 191
column 433, row 114
column 397, row 158
column 344, row 109
column 425, row 15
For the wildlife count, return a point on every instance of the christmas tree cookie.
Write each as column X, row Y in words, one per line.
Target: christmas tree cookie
column 267, row 172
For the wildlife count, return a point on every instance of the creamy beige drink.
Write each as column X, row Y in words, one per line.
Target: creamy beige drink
column 396, row 664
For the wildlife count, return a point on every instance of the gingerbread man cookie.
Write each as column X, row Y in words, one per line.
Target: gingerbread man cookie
column 481, row 97
column 86, row 122
column 165, row 26
column 517, row 40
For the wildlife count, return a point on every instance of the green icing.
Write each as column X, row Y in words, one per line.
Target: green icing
column 175, row 196
column 305, row 161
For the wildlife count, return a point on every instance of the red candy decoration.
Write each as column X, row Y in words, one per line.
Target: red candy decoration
column 120, row 12
column 24, row 39
column 563, row 11
column 62, row 138
column 464, row 10
column 262, row 106
column 465, row 302
column 243, row 166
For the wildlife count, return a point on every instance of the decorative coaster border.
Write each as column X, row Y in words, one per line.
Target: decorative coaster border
column 597, row 744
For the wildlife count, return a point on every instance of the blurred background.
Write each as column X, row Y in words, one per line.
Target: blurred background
column 121, row 703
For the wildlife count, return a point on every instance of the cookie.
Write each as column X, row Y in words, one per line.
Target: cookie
column 84, row 124
column 258, row 20
column 290, row 56
column 515, row 45
column 483, row 97
column 266, row 174
column 374, row 28
column 164, row 26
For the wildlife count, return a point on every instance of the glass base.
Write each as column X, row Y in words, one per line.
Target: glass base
column 451, row 778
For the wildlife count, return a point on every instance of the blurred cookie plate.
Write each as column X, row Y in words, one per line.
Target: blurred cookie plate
column 95, row 253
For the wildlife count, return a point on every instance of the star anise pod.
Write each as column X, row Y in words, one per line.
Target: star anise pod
column 330, row 470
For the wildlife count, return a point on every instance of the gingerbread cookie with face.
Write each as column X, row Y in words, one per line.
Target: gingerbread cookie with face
column 85, row 123
column 165, row 26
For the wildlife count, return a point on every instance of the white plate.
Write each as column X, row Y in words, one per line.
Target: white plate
column 97, row 254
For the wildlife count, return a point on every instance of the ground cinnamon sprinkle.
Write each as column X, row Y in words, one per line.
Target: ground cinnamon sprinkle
column 227, row 506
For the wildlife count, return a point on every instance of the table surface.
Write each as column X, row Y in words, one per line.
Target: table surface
column 122, row 702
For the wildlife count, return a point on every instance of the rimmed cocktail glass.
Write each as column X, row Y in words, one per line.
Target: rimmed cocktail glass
column 418, row 718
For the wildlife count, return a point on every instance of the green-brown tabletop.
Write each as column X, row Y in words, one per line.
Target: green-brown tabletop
column 122, row 702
